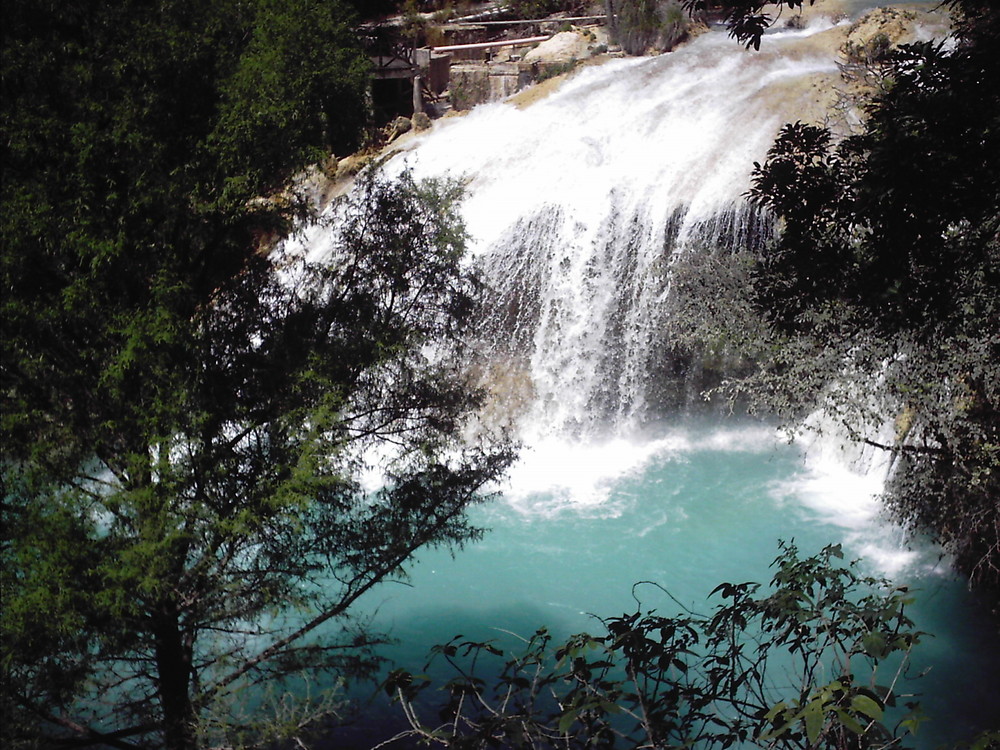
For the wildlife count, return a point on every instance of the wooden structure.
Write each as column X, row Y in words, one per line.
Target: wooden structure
column 406, row 75
column 493, row 45
column 396, row 89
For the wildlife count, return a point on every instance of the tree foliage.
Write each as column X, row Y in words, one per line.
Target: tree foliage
column 641, row 25
column 888, row 266
column 217, row 519
column 876, row 302
column 838, row 640
column 186, row 413
column 543, row 8
column 747, row 20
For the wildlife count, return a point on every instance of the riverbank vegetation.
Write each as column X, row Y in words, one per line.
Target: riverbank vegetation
column 876, row 302
column 840, row 642
column 186, row 411
column 879, row 297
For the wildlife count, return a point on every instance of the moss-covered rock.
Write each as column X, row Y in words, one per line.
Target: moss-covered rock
column 421, row 121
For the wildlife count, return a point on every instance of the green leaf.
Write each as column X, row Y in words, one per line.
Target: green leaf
column 775, row 710
column 865, row 705
column 913, row 719
column 773, row 733
column 886, row 695
column 610, row 707
column 849, row 722
column 814, row 717
column 566, row 721
column 874, row 644
column 986, row 740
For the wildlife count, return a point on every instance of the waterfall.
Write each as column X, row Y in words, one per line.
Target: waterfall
column 579, row 206
column 579, row 203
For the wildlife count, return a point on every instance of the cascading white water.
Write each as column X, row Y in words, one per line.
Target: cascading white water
column 577, row 204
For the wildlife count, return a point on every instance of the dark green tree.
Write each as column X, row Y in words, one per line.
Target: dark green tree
column 187, row 412
column 888, row 270
column 877, row 301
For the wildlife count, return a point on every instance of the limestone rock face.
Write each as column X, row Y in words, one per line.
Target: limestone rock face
column 562, row 48
column 350, row 166
column 881, row 28
column 399, row 126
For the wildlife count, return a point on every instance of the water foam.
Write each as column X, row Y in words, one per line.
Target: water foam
column 840, row 484
column 576, row 205
column 557, row 476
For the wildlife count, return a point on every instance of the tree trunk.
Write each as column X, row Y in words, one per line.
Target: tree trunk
column 612, row 20
column 173, row 666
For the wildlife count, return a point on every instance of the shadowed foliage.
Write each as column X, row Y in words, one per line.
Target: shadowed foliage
column 187, row 411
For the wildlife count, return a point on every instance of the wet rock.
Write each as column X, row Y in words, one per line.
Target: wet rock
column 399, row 126
column 562, row 48
column 351, row 165
column 873, row 35
column 421, row 121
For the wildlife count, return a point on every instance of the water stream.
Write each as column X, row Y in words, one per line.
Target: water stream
column 576, row 205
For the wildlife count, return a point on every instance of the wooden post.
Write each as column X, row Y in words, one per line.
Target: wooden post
column 418, row 104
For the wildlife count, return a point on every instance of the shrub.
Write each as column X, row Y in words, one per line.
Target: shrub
column 642, row 25
column 812, row 662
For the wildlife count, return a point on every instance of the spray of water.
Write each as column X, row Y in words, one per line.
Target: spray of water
column 577, row 206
